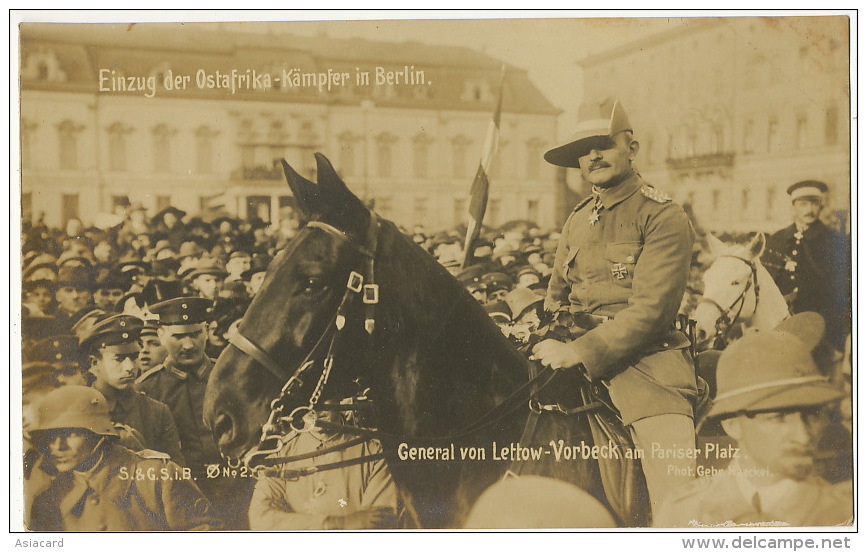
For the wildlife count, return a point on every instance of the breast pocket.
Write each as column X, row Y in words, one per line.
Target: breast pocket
column 622, row 258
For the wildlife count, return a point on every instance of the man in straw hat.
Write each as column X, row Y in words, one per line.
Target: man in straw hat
column 775, row 403
column 621, row 271
column 98, row 484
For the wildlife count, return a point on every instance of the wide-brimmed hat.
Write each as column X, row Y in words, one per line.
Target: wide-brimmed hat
column 591, row 132
column 769, row 371
column 207, row 265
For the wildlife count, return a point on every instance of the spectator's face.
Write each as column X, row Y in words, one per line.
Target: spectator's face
column 72, row 299
column 238, row 265
column 68, row 448
column 40, row 297
column 107, row 299
column 185, row 347
column 497, row 295
column 783, row 444
column 170, row 219
column 152, row 352
column 256, row 282
column 116, row 367
column 807, row 210
column 207, row 285
column 609, row 163
column 102, row 252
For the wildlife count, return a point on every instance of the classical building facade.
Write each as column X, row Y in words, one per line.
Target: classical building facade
column 165, row 115
column 730, row 112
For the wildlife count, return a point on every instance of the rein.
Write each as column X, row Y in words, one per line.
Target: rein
column 725, row 321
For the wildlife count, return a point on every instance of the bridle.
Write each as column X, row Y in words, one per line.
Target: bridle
column 725, row 321
column 282, row 424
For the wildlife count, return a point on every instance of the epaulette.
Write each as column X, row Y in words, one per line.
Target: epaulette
column 652, row 193
column 151, row 454
column 582, row 203
column 144, row 375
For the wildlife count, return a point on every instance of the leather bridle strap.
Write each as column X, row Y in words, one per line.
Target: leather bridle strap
column 256, row 353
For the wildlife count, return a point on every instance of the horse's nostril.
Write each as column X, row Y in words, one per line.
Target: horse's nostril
column 223, row 428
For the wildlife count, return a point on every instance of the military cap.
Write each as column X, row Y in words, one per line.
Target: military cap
column 259, row 263
column 37, row 328
column 774, row 370
column 471, row 277
column 807, row 188
column 499, row 311
column 80, row 277
column 74, row 406
column 183, row 311
column 84, row 320
column 207, row 265
column 119, row 331
column 591, row 133
column 58, row 350
column 498, row 280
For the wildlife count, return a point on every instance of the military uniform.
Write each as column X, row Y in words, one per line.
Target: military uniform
column 722, row 499
column 812, row 267
column 623, row 264
column 184, row 394
column 109, row 497
column 152, row 419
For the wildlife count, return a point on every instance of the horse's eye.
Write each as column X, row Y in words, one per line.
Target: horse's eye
column 313, row 285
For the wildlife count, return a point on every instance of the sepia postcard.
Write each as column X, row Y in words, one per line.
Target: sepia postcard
column 390, row 272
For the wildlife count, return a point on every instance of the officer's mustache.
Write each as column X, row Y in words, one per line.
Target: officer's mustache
column 598, row 165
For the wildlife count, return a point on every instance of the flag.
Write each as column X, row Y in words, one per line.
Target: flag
column 479, row 190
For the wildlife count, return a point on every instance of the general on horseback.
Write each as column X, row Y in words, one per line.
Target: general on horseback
column 619, row 275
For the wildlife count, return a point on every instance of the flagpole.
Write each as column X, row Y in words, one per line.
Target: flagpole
column 481, row 183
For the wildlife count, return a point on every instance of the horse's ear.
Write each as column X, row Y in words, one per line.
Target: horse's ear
column 305, row 192
column 757, row 245
column 348, row 208
column 716, row 247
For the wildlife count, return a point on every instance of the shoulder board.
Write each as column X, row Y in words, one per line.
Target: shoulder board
column 652, row 193
column 144, row 375
column 582, row 203
column 150, row 454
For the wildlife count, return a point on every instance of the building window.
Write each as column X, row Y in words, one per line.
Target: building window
column 459, row 211
column 69, row 208
column 494, row 211
column 420, row 156
column 162, row 137
column 749, row 137
column 67, row 132
column 533, row 210
column 420, row 210
column 801, row 131
column 346, row 147
column 460, row 147
column 205, row 149
column 717, row 138
column 28, row 134
column 117, row 147
column 831, row 121
column 773, row 135
column 533, row 157
column 384, row 150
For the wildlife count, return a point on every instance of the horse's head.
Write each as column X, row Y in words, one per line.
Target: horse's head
column 731, row 286
column 289, row 329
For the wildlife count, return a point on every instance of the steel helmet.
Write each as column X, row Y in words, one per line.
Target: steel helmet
column 74, row 406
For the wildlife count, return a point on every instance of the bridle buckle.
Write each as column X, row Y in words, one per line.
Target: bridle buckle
column 371, row 294
column 355, row 282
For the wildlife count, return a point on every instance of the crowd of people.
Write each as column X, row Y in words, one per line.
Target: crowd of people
column 120, row 327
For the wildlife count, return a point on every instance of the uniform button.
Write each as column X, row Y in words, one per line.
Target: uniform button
column 94, row 500
column 794, row 251
column 125, row 335
column 185, row 317
column 630, row 259
column 122, row 323
column 183, row 305
column 665, row 344
column 58, row 356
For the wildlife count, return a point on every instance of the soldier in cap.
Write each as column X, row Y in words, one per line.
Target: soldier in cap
column 96, row 486
column 109, row 288
column 73, row 292
column 498, row 284
column 180, row 383
column 811, row 263
column 621, row 271
column 471, row 278
column 773, row 401
column 112, row 347
column 61, row 352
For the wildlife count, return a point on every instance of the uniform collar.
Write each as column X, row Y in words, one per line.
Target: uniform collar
column 612, row 196
column 200, row 373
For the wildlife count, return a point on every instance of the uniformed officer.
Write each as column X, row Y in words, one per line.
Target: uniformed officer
column 111, row 347
column 774, row 402
column 180, row 383
column 100, row 485
column 811, row 262
column 621, row 269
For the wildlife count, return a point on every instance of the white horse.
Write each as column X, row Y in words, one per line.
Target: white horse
column 738, row 290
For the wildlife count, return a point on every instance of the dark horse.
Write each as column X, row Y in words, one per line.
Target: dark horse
column 434, row 363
